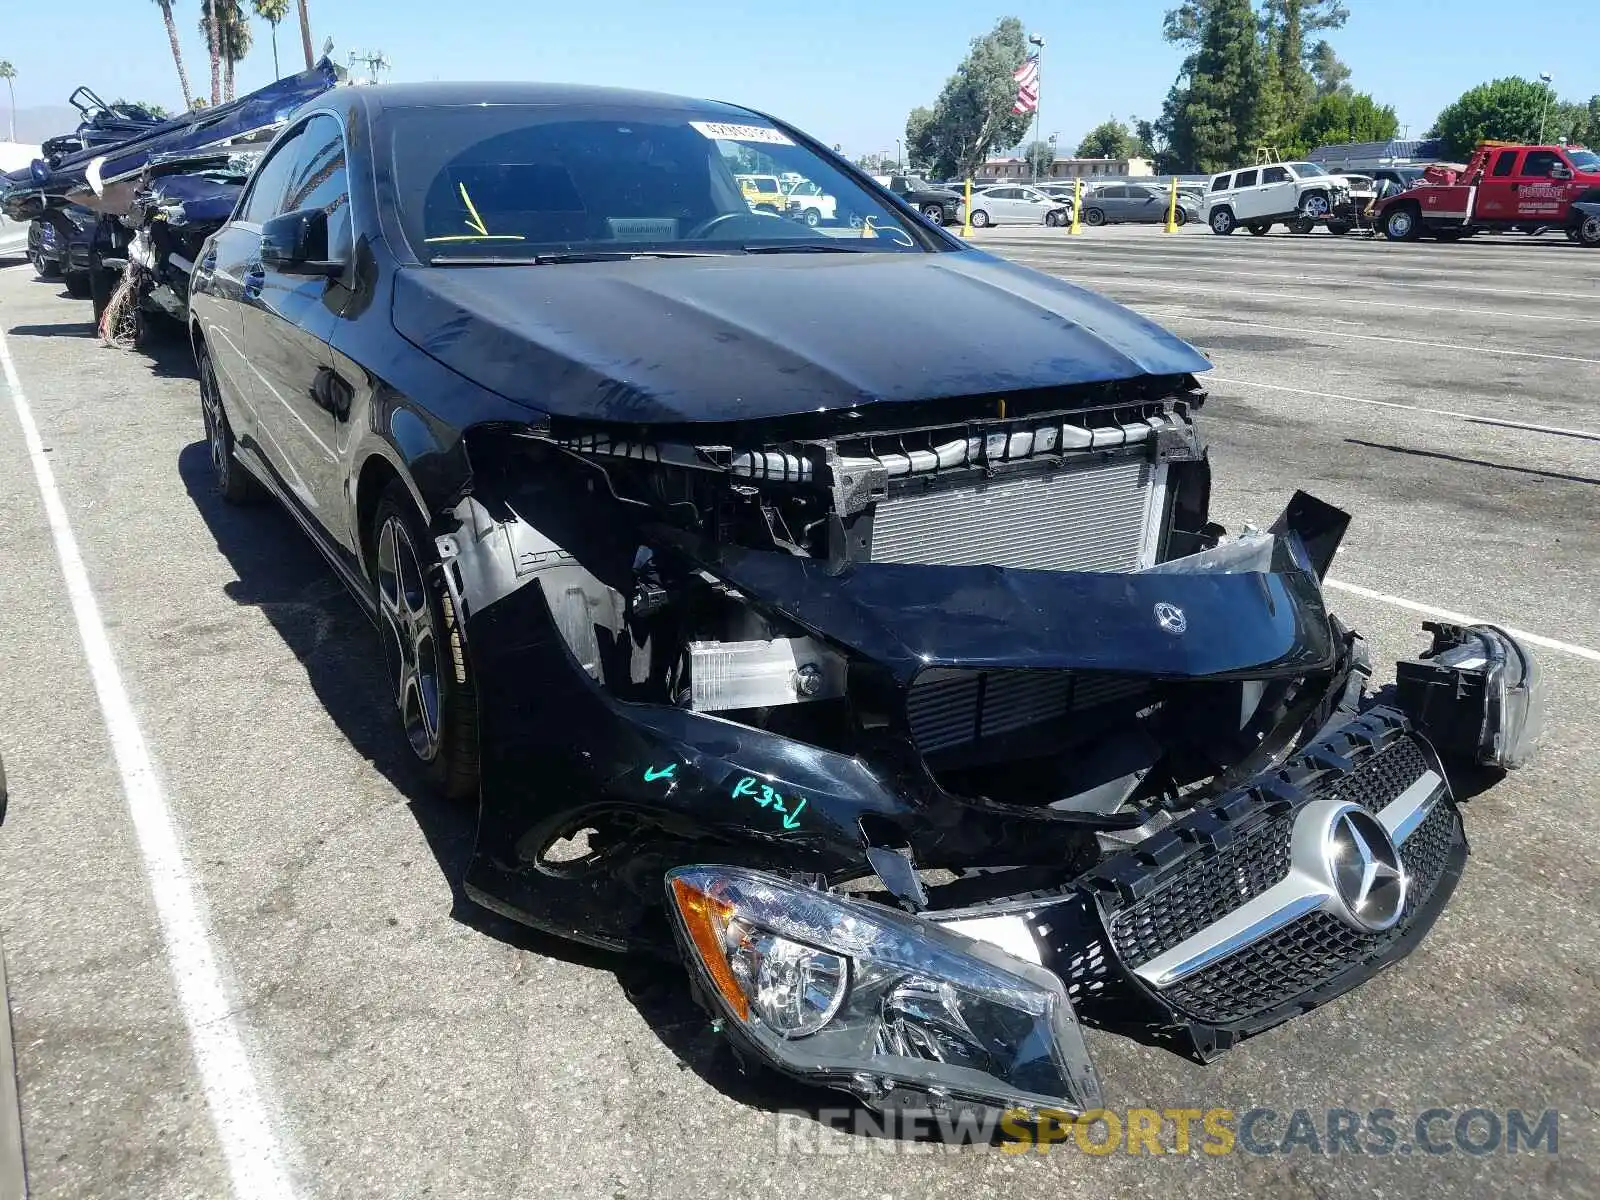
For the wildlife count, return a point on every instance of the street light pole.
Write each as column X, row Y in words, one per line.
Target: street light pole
column 1544, row 105
column 1035, row 40
column 899, row 164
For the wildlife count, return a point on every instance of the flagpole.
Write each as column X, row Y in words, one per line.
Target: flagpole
column 1035, row 40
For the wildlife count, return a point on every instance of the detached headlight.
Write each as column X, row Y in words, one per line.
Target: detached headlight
column 900, row 1011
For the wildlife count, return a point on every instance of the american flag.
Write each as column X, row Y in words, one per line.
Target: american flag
column 1027, row 77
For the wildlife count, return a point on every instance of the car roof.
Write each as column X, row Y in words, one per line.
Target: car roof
column 381, row 96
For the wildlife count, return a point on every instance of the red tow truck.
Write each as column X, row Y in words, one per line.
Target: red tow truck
column 1503, row 187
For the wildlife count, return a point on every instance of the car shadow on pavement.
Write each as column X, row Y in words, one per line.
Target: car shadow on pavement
column 282, row 575
column 71, row 329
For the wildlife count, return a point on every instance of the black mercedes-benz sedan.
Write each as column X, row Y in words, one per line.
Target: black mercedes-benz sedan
column 837, row 604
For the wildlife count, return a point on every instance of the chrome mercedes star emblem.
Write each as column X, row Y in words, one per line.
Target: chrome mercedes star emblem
column 1369, row 880
column 1170, row 617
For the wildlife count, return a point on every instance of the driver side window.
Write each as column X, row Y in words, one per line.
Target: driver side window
column 271, row 181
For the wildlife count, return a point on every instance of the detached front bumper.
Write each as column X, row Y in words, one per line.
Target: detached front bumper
column 1283, row 894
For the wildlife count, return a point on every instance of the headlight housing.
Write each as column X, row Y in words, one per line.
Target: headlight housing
column 900, row 1011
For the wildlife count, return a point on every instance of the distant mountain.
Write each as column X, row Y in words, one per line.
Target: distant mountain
column 36, row 124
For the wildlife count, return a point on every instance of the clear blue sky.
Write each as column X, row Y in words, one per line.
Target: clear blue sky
column 847, row 71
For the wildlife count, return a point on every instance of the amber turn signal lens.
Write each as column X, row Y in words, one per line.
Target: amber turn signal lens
column 706, row 919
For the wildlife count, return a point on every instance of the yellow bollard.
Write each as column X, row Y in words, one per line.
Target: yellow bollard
column 1077, row 204
column 966, row 211
column 1172, row 208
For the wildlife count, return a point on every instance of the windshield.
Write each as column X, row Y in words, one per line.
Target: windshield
column 537, row 182
column 1584, row 160
column 1305, row 170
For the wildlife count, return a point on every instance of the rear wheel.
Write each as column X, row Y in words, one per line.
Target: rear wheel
column 980, row 219
column 1589, row 232
column 422, row 647
column 236, row 484
column 1258, row 228
column 813, row 216
column 1222, row 222
column 1301, row 225
column 42, row 266
column 1339, row 228
column 1402, row 224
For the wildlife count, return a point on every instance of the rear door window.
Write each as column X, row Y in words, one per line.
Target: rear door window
column 1503, row 163
column 1245, row 179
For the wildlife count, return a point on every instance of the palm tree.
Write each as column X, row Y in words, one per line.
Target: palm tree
column 208, row 28
column 8, row 73
column 305, row 32
column 272, row 11
column 177, row 54
column 233, row 36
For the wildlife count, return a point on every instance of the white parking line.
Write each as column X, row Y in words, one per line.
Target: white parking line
column 1378, row 337
column 1455, row 618
column 255, row 1160
column 1108, row 281
column 1472, row 418
column 1131, row 262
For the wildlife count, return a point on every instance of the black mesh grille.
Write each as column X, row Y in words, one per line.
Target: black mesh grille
column 1383, row 777
column 1313, row 950
column 1203, row 895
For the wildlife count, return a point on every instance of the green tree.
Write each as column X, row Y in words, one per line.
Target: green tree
column 920, row 149
column 1217, row 121
column 1144, row 139
column 177, row 53
column 155, row 110
column 1039, row 156
column 973, row 112
column 1287, row 24
column 233, row 33
column 1329, row 71
column 1338, row 117
column 208, row 30
column 1505, row 110
column 1574, row 123
column 1109, row 139
column 272, row 12
column 8, row 73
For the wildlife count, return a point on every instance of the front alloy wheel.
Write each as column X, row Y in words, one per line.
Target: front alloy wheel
column 934, row 213
column 411, row 641
column 1589, row 232
column 1314, row 206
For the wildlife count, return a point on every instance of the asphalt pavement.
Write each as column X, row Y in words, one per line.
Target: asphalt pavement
column 394, row 1041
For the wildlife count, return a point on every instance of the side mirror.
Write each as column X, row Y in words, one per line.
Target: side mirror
column 1560, row 171
column 297, row 244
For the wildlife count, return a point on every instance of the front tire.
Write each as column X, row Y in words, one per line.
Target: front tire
column 1094, row 216
column 77, row 284
column 422, row 647
column 1589, row 232
column 1258, row 228
column 980, row 219
column 1339, row 228
column 1222, row 222
column 1314, row 207
column 934, row 213
column 235, row 484
column 1180, row 218
column 1402, row 225
column 812, row 217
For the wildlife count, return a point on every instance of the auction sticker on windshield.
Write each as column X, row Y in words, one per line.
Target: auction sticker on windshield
column 720, row 131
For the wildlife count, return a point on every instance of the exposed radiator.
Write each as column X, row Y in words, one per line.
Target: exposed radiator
column 1094, row 516
column 953, row 707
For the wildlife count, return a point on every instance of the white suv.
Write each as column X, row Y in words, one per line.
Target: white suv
column 1299, row 193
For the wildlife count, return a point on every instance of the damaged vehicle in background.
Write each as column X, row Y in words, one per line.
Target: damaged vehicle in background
column 102, row 166
column 788, row 605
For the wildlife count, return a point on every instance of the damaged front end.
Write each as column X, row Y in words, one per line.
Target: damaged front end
column 925, row 730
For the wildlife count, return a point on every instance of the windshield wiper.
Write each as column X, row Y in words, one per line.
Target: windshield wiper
column 831, row 246
column 561, row 256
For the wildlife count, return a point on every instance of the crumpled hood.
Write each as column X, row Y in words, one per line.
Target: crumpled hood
column 734, row 338
column 908, row 617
